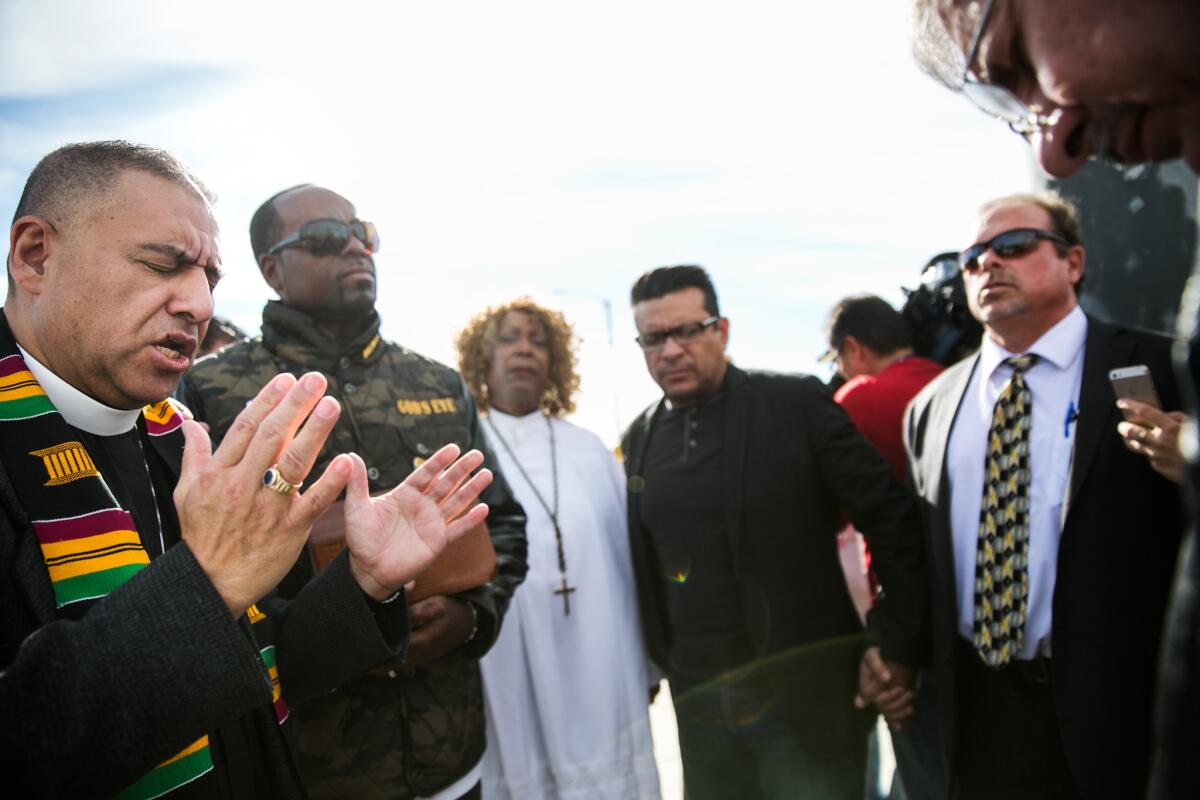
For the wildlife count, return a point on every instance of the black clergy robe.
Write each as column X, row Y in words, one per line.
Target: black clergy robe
column 107, row 690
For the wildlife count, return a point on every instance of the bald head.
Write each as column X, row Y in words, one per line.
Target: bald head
column 310, row 202
column 266, row 226
column 323, row 264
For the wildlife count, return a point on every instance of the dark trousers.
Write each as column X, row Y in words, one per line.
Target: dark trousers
column 918, row 747
column 1007, row 741
column 737, row 740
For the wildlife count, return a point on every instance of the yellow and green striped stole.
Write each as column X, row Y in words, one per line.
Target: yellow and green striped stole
column 90, row 544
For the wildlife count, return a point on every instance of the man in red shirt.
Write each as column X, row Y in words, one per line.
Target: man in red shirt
column 871, row 345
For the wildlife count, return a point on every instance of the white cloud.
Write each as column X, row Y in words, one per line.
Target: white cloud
column 527, row 147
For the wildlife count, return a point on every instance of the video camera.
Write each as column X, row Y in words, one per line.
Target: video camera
column 936, row 311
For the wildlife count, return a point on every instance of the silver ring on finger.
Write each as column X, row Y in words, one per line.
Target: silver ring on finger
column 274, row 480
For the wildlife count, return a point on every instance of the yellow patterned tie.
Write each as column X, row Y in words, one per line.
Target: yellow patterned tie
column 1001, row 559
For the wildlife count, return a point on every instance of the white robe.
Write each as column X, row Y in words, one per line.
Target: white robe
column 567, row 695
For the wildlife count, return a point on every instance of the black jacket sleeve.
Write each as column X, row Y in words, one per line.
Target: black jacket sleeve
column 888, row 516
column 87, row 707
column 332, row 632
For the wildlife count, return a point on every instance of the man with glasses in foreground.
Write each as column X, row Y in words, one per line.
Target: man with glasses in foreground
column 411, row 729
column 1077, row 78
column 1051, row 544
column 737, row 485
column 1117, row 79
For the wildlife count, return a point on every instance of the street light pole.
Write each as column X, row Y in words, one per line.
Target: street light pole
column 608, row 328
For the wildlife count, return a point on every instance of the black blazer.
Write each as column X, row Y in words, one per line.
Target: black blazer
column 1115, row 560
column 89, row 706
column 793, row 463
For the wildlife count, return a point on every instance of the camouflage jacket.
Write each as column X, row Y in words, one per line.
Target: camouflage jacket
column 395, row 732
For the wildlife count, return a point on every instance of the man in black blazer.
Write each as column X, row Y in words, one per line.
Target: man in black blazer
column 1068, row 712
column 738, row 482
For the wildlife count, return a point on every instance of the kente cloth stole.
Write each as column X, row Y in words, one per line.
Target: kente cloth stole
column 90, row 544
column 1002, row 549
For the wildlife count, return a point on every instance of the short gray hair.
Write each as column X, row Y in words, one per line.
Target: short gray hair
column 76, row 172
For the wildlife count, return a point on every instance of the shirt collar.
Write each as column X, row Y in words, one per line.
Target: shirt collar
column 1061, row 345
column 77, row 408
column 518, row 430
column 510, row 419
column 708, row 401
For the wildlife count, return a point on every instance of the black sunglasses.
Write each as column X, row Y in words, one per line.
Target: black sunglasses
column 1010, row 244
column 327, row 237
column 683, row 334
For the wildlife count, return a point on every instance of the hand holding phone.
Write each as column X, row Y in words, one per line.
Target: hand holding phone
column 1135, row 383
column 1149, row 432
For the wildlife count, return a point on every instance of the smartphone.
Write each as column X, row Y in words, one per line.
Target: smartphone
column 1135, row 383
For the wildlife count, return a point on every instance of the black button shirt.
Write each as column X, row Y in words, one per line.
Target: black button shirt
column 682, row 509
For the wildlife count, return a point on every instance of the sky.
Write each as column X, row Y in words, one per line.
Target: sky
column 555, row 149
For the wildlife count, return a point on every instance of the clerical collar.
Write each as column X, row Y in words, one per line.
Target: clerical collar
column 77, row 408
column 518, row 429
column 493, row 411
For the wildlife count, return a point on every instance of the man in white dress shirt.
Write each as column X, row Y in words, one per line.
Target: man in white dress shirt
column 566, row 683
column 1051, row 543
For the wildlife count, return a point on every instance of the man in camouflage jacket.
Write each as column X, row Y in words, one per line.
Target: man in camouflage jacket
column 404, row 730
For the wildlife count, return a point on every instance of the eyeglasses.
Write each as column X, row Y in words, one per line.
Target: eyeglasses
column 831, row 355
column 682, row 334
column 996, row 100
column 1010, row 244
column 327, row 237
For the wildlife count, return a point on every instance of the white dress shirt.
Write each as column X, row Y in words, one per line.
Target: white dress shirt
column 1054, row 385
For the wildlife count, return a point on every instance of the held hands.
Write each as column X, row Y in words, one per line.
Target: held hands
column 439, row 625
column 889, row 685
column 1154, row 434
column 245, row 536
column 393, row 537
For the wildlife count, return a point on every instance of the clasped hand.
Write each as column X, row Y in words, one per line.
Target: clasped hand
column 246, row 537
column 888, row 685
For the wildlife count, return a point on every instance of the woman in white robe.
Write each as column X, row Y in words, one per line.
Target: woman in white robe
column 567, row 682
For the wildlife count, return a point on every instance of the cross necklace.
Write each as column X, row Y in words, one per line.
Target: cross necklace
column 563, row 588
